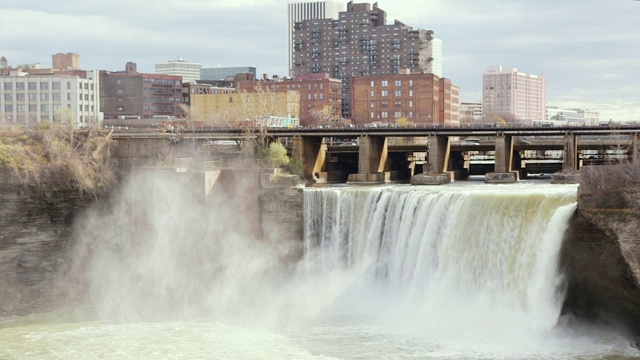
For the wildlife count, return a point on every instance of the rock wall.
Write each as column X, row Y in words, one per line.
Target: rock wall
column 601, row 255
column 35, row 236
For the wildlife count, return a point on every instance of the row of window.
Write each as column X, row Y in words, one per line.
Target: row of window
column 385, row 104
column 385, row 93
column 20, row 108
column 385, row 83
column 385, row 115
column 158, row 81
column 45, row 97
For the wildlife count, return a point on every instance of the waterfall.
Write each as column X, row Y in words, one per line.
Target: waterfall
column 472, row 260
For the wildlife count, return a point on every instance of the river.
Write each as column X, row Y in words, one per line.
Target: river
column 461, row 271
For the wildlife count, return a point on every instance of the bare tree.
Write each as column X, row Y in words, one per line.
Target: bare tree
column 328, row 115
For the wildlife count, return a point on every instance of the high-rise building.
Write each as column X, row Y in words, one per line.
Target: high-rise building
column 189, row 71
column 308, row 10
column 68, row 61
column 360, row 43
column 132, row 95
column 69, row 99
column 510, row 95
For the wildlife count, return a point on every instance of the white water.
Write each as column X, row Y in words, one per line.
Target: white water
column 451, row 272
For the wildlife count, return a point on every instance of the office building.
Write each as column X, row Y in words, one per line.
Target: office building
column 68, row 61
column 308, row 10
column 132, row 95
column 27, row 100
column 190, row 72
column 360, row 43
column 222, row 73
column 512, row 96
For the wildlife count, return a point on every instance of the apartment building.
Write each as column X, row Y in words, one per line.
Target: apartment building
column 308, row 10
column 133, row 95
column 68, row 61
column 27, row 100
column 417, row 97
column 510, row 95
column 360, row 43
column 470, row 112
column 222, row 73
column 320, row 95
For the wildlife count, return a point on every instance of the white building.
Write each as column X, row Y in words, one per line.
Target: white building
column 189, row 71
column 511, row 95
column 29, row 99
column 436, row 54
column 308, row 10
column 470, row 112
column 574, row 116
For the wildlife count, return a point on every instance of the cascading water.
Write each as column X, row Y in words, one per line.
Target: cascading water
column 463, row 266
column 394, row 272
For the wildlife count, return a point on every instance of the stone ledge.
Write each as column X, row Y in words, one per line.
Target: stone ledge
column 565, row 178
column 501, row 178
column 431, row 179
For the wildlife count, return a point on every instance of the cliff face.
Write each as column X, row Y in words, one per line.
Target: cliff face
column 602, row 253
column 34, row 239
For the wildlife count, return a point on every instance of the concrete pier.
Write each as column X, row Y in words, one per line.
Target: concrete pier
column 372, row 160
column 503, row 170
column 569, row 173
column 435, row 171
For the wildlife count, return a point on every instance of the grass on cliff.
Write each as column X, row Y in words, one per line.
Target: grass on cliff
column 610, row 187
column 53, row 157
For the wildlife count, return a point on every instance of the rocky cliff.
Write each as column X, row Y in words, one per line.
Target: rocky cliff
column 35, row 236
column 602, row 250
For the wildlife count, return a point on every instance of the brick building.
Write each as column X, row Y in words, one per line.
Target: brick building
column 417, row 97
column 130, row 94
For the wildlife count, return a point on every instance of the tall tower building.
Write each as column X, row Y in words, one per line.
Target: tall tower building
column 511, row 95
column 360, row 43
column 307, row 10
column 189, row 71
column 68, row 61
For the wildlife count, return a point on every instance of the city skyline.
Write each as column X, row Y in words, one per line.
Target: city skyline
column 588, row 53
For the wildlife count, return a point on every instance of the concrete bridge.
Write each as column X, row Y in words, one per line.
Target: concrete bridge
column 422, row 155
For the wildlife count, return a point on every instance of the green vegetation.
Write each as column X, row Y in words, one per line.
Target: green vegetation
column 53, row 157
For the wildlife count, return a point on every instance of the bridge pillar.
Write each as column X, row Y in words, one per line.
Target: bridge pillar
column 569, row 173
column 503, row 170
column 372, row 160
column 435, row 171
column 312, row 152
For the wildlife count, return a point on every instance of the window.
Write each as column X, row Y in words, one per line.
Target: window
column 385, row 93
column 398, row 82
column 410, row 114
column 20, row 108
column 372, row 115
column 8, row 97
column 44, row 107
column 410, row 92
column 397, row 114
column 20, row 97
column 385, row 83
column 44, row 86
column 410, row 82
column 410, row 103
column 398, row 104
column 119, row 108
column 373, row 83
column 55, row 97
column 69, row 85
column 8, row 108
column 33, row 97
column 33, row 108
column 398, row 93
column 55, row 85
column 373, row 104
column 119, row 91
column 56, row 107
column 8, row 86
column 69, row 97
column 321, row 96
column 384, row 104
column 384, row 114
column 373, row 93
column 19, row 86
column 32, row 86
column 44, row 97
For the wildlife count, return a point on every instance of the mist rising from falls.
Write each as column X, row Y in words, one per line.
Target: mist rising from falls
column 475, row 262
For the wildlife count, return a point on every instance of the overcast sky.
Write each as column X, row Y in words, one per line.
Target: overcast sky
column 588, row 50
